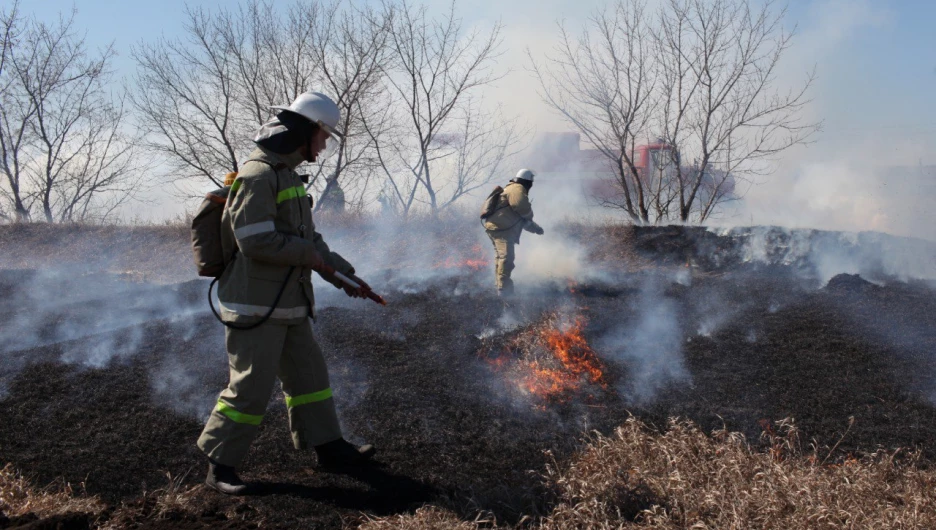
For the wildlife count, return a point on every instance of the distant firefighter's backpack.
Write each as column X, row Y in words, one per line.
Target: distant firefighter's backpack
column 490, row 204
column 206, row 233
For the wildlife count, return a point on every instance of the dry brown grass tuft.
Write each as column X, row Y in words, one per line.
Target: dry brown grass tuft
column 173, row 502
column 686, row 479
column 426, row 518
column 18, row 496
column 607, row 241
column 683, row 478
column 175, row 497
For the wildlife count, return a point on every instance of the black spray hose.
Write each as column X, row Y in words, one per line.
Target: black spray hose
column 262, row 319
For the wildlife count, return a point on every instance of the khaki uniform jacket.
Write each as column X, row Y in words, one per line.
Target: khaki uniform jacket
column 513, row 214
column 266, row 228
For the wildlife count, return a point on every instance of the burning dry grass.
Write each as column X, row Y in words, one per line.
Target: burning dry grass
column 683, row 478
column 552, row 361
column 476, row 259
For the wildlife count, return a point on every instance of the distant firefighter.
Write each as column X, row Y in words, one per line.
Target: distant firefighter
column 510, row 213
column 265, row 295
column 334, row 198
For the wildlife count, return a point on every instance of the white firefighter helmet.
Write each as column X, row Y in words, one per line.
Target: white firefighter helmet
column 525, row 174
column 321, row 110
column 317, row 108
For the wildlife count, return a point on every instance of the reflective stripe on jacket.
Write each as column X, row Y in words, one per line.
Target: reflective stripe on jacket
column 268, row 221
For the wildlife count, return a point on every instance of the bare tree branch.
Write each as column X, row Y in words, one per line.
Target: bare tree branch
column 435, row 67
column 700, row 76
column 482, row 145
column 603, row 83
column 187, row 99
column 64, row 151
column 720, row 59
column 352, row 62
column 203, row 98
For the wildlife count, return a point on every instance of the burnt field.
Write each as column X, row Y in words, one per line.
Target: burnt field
column 106, row 376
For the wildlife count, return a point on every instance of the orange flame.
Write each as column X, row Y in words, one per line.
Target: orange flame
column 571, row 348
column 556, row 362
column 578, row 364
column 476, row 264
column 549, row 383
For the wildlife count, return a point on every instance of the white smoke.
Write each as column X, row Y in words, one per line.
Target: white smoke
column 870, row 170
column 649, row 346
column 91, row 319
column 822, row 255
column 180, row 386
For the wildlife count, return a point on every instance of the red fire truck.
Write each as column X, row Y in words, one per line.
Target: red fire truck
column 559, row 157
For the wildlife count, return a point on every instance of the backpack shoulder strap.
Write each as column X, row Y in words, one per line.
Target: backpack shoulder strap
column 276, row 167
column 279, row 294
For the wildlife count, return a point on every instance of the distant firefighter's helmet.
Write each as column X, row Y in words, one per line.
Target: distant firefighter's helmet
column 525, row 174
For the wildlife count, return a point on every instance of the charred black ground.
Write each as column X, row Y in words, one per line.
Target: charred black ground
column 756, row 341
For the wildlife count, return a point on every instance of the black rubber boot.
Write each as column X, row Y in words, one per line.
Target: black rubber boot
column 223, row 479
column 341, row 454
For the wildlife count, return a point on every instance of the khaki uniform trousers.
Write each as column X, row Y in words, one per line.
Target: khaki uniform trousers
column 257, row 357
column 504, row 259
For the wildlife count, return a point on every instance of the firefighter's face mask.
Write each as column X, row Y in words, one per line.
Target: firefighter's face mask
column 322, row 145
column 331, row 147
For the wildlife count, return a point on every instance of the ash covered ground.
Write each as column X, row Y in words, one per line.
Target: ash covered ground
column 107, row 375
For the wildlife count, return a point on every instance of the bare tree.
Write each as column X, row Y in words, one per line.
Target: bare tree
column 482, row 144
column 602, row 82
column 699, row 75
column 187, row 95
column 15, row 113
column 91, row 167
column 63, row 148
column 202, row 99
column 401, row 184
column 276, row 57
column 724, row 112
column 352, row 58
column 435, row 66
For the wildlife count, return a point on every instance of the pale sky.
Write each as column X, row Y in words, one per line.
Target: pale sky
column 876, row 65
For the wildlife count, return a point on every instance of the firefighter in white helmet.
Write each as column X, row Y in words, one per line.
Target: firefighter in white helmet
column 267, row 228
column 512, row 215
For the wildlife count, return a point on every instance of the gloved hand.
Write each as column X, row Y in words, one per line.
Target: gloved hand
column 354, row 293
column 537, row 229
column 360, row 282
